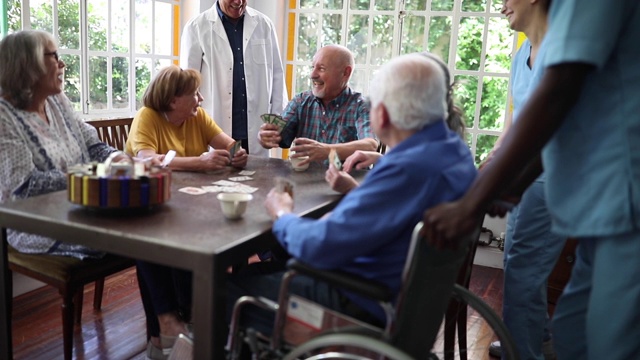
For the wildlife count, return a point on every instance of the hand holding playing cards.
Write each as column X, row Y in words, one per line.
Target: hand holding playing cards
column 269, row 136
column 240, row 158
column 278, row 201
column 214, row 160
column 360, row 160
column 339, row 181
column 316, row 151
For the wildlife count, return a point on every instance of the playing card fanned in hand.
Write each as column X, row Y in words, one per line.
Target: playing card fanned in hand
column 334, row 159
column 274, row 119
column 234, row 148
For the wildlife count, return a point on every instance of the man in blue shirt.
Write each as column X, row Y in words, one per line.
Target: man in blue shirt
column 586, row 115
column 368, row 233
column 329, row 116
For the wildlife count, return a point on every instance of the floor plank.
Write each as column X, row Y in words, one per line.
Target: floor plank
column 117, row 332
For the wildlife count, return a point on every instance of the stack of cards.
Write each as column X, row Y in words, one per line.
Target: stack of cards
column 274, row 119
column 335, row 160
column 233, row 149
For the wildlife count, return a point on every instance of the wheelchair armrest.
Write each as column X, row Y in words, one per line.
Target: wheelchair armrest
column 347, row 281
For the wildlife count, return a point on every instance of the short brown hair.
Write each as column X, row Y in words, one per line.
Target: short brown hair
column 170, row 82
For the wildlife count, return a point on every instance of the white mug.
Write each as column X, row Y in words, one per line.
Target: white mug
column 234, row 204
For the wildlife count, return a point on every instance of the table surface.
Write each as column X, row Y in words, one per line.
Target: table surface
column 188, row 231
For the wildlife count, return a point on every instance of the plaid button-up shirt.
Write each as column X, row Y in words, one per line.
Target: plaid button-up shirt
column 345, row 119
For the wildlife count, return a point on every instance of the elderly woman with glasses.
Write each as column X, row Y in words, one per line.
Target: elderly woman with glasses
column 40, row 134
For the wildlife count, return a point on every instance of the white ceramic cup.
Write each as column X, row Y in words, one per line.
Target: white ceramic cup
column 233, row 204
column 295, row 163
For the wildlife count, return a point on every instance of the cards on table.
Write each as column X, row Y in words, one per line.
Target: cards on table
column 192, row 190
column 274, row 119
column 334, row 159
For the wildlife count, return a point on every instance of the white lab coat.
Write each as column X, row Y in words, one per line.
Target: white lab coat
column 205, row 47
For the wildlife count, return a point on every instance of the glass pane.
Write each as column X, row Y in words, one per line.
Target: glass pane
column 415, row 5
column 72, row 86
column 465, row 94
column 382, row 44
column 358, row 81
column 331, row 29
column 120, row 83
column 69, row 24
column 97, row 25
column 162, row 63
column 307, row 37
column 333, row 4
column 385, row 4
column 360, row 4
column 42, row 15
column 120, row 25
column 358, row 41
column 413, row 34
column 143, row 78
column 474, row 5
column 164, row 32
column 14, row 15
column 499, row 45
column 309, row 4
column 440, row 36
column 303, row 83
column 469, row 43
column 442, row 5
column 483, row 147
column 496, row 6
column 143, row 27
column 97, row 82
column 494, row 98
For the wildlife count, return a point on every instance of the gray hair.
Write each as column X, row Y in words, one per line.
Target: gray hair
column 412, row 88
column 22, row 64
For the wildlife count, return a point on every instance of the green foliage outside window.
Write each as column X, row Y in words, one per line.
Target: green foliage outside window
column 68, row 34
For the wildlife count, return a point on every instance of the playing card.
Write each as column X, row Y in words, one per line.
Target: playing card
column 192, row 190
column 334, row 159
column 234, row 148
column 240, row 178
column 274, row 119
column 284, row 185
column 246, row 172
column 224, row 183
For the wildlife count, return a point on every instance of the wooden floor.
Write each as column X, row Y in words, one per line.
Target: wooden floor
column 118, row 331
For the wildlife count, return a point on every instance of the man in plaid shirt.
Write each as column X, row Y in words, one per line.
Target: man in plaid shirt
column 329, row 116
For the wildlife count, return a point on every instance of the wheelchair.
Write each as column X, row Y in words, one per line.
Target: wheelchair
column 415, row 322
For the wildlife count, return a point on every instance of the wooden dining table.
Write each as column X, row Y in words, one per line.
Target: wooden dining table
column 188, row 232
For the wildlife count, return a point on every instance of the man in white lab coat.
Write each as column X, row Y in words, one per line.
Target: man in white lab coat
column 236, row 50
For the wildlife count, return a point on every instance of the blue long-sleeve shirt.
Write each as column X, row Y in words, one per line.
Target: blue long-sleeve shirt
column 368, row 233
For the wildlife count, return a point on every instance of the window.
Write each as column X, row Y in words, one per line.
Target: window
column 111, row 48
column 471, row 36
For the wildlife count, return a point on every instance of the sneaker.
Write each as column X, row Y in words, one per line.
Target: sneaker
column 495, row 349
column 547, row 350
column 154, row 353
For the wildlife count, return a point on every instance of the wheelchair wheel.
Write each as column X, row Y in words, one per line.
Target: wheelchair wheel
column 346, row 347
column 478, row 327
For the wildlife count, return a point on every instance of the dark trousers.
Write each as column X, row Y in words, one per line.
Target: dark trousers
column 163, row 289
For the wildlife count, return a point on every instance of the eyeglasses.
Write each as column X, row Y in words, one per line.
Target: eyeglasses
column 54, row 54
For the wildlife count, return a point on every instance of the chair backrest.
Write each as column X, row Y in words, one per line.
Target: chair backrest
column 113, row 132
column 427, row 284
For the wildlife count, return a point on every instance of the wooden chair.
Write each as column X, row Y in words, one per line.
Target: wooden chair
column 113, row 132
column 67, row 274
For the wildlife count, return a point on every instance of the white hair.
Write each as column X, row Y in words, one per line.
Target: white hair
column 412, row 88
